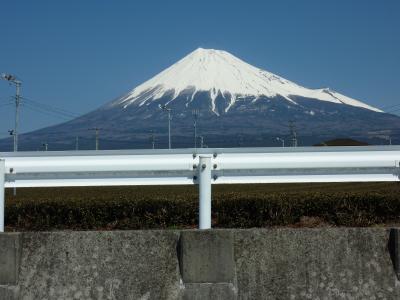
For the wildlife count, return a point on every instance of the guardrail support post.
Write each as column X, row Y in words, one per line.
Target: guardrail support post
column 2, row 193
column 204, row 192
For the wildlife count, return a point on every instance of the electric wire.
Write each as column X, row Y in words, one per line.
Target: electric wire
column 46, row 112
column 392, row 111
column 6, row 104
column 51, row 108
column 66, row 115
column 390, row 106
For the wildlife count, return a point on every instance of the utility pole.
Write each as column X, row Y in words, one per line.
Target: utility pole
column 152, row 139
column 11, row 132
column 195, row 113
column 96, row 129
column 201, row 142
column 12, row 79
column 168, row 110
column 77, row 143
column 97, row 138
column 17, row 103
column 282, row 141
column 293, row 133
column 240, row 140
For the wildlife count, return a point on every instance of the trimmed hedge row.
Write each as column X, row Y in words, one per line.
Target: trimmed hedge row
column 177, row 207
column 337, row 209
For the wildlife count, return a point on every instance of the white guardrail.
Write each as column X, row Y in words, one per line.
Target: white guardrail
column 197, row 166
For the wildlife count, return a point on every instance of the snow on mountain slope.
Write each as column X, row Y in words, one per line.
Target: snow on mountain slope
column 219, row 72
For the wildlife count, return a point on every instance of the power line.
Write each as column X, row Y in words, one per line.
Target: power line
column 46, row 112
column 392, row 111
column 51, row 106
column 45, row 108
column 6, row 99
column 52, row 109
column 390, row 106
column 6, row 104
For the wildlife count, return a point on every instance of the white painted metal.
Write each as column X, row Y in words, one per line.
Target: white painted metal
column 308, row 178
column 2, row 194
column 100, row 182
column 204, row 192
column 210, row 151
column 176, row 167
column 84, row 163
column 307, row 160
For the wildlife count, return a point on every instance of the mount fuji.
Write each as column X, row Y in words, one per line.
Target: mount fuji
column 224, row 76
column 236, row 104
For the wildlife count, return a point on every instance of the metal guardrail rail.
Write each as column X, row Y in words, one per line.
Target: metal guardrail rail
column 197, row 166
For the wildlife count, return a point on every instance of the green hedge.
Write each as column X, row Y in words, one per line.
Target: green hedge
column 339, row 209
column 52, row 209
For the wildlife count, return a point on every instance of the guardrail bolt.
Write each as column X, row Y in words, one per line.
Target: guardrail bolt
column 215, row 155
column 194, row 177
column 11, row 170
column 215, row 177
column 215, row 166
column 194, row 166
column 204, row 166
column 194, row 155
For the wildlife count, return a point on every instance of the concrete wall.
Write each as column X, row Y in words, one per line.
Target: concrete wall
column 331, row 263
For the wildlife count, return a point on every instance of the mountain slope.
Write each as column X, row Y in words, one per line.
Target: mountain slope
column 220, row 73
column 238, row 105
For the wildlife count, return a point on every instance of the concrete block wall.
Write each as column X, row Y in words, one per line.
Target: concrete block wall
column 329, row 263
column 207, row 265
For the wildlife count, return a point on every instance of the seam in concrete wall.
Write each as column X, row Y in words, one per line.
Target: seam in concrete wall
column 10, row 257
column 179, row 255
column 206, row 259
column 284, row 263
column 394, row 250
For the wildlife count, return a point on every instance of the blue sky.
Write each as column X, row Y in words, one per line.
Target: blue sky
column 78, row 55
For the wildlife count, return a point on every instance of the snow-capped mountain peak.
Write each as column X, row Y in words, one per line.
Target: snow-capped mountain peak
column 220, row 73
